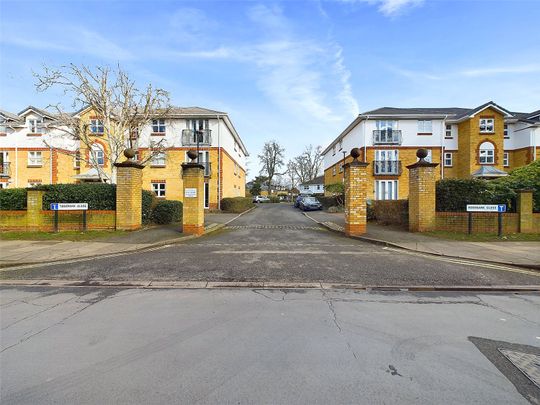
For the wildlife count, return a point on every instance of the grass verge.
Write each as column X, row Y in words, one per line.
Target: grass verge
column 485, row 237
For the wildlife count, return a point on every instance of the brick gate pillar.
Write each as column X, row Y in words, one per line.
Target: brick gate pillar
column 193, row 208
column 525, row 210
column 355, row 195
column 128, row 193
column 34, row 206
column 422, row 194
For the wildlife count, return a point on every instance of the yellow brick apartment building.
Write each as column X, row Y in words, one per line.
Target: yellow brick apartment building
column 484, row 142
column 34, row 151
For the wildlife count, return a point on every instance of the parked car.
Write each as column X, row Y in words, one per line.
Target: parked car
column 261, row 199
column 297, row 200
column 310, row 204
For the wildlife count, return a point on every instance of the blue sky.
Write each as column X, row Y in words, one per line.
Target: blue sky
column 295, row 71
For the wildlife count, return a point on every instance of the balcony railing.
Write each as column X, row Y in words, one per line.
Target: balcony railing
column 189, row 137
column 5, row 170
column 387, row 137
column 386, row 167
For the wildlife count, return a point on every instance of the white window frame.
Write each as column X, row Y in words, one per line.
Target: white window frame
column 334, row 150
column 159, row 159
column 448, row 159
column 425, row 127
column 341, row 144
column 77, row 160
column 448, row 131
column 386, row 161
column 96, row 126
column 35, row 126
column 334, row 170
column 386, row 189
column 487, row 125
column 158, row 126
column 506, row 133
column 35, row 158
column 34, row 184
column 506, row 159
column 98, row 155
column 486, row 156
column 159, row 189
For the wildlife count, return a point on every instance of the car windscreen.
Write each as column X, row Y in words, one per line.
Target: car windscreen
column 310, row 200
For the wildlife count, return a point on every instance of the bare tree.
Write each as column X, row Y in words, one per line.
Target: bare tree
column 291, row 174
column 307, row 165
column 122, row 109
column 271, row 159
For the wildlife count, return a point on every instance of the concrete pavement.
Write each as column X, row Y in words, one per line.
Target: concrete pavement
column 98, row 346
column 275, row 243
column 16, row 252
column 526, row 254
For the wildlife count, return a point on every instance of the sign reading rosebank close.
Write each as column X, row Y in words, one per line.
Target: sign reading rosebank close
column 486, row 207
column 69, row 206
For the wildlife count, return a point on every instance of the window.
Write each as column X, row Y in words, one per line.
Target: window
column 487, row 125
column 486, row 153
column 506, row 159
column 341, row 144
column 77, row 160
column 386, row 161
column 235, row 148
column 333, row 150
column 34, row 126
column 158, row 159
column 425, row 127
column 506, row 136
column 3, row 126
column 96, row 126
column 35, row 159
column 334, row 171
column 448, row 131
column 158, row 189
column 386, row 189
column 447, row 159
column 98, row 156
column 318, row 186
column 34, row 183
column 158, row 126
column 341, row 167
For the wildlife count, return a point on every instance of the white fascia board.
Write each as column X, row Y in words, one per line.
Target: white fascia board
column 343, row 134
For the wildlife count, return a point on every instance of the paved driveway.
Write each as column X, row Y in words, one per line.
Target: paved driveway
column 275, row 242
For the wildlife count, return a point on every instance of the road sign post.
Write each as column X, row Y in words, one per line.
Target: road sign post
column 69, row 207
column 498, row 208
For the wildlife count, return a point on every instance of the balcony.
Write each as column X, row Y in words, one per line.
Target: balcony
column 386, row 167
column 387, row 137
column 189, row 137
column 5, row 170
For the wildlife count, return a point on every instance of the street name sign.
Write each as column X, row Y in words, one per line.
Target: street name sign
column 69, row 206
column 486, row 207
column 190, row 192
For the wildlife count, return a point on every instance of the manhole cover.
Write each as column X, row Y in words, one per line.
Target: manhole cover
column 528, row 364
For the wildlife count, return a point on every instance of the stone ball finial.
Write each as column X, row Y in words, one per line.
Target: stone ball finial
column 129, row 153
column 355, row 153
column 192, row 155
column 421, row 153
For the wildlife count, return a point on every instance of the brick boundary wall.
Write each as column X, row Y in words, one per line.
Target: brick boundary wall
column 67, row 220
column 482, row 222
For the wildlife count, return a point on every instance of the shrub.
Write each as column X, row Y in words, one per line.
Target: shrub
column 13, row 199
column 330, row 201
column 274, row 199
column 149, row 201
column 167, row 211
column 99, row 196
column 526, row 177
column 236, row 204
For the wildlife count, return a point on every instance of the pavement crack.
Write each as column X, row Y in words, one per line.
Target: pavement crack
column 261, row 293
column 336, row 323
column 483, row 303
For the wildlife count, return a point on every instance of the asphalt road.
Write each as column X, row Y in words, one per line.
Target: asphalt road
column 275, row 242
column 105, row 346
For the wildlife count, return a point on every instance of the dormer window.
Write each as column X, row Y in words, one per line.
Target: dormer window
column 34, row 126
column 487, row 125
column 96, row 126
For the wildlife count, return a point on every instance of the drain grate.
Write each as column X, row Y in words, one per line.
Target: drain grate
column 528, row 364
column 294, row 227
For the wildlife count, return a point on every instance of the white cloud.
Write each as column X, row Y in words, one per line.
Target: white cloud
column 389, row 8
column 500, row 70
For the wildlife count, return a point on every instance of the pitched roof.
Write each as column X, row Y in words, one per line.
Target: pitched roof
column 194, row 111
column 489, row 171
column 40, row 111
column 8, row 115
column 417, row 111
column 316, row 180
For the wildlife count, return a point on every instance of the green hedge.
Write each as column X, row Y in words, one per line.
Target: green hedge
column 99, row 196
column 236, row 204
column 12, row 199
column 167, row 212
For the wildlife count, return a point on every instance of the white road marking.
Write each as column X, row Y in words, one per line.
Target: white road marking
column 295, row 252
